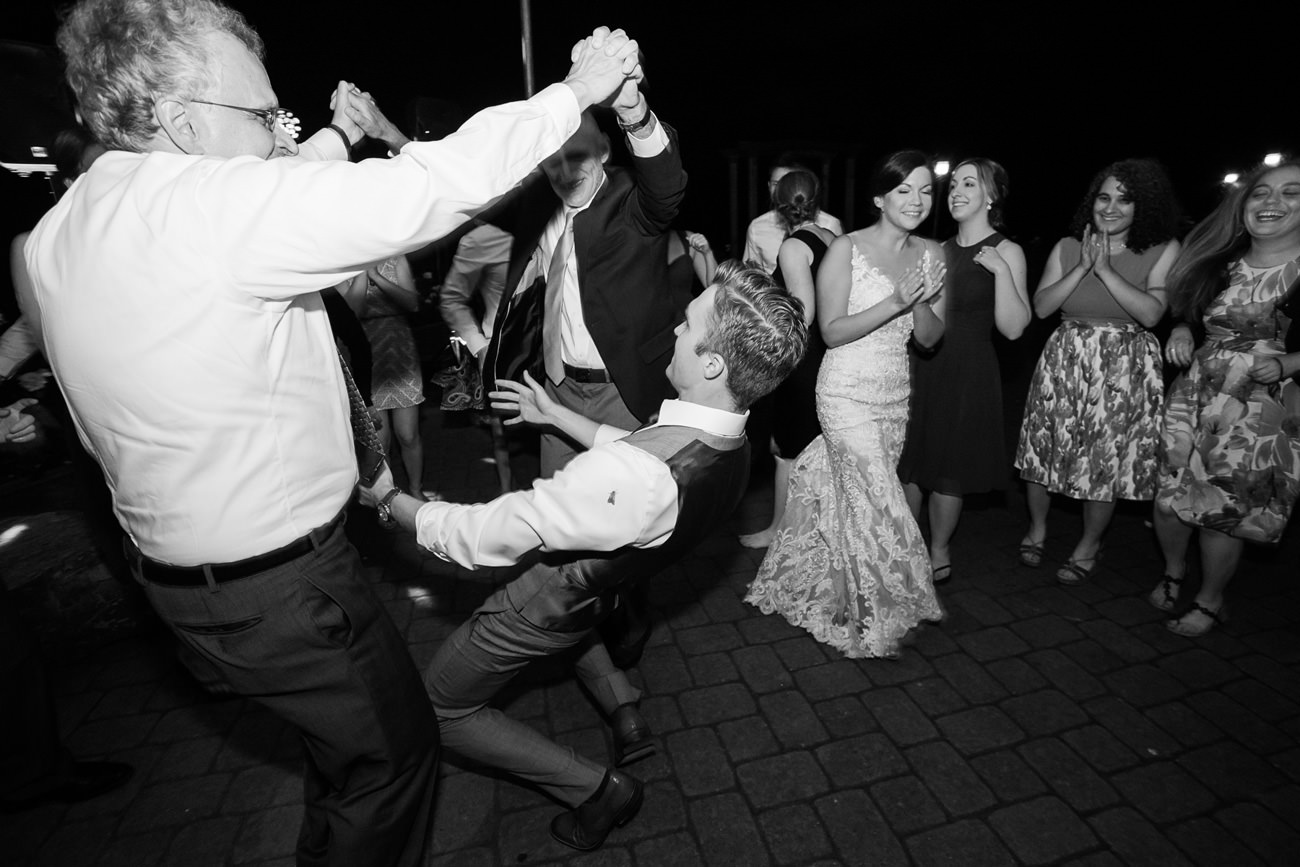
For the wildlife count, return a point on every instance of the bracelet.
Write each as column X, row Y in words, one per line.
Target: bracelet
column 347, row 144
column 639, row 125
column 1281, row 368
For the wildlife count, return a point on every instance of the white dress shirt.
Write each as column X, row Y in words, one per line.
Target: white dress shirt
column 767, row 231
column 606, row 498
column 482, row 259
column 180, row 309
column 577, row 347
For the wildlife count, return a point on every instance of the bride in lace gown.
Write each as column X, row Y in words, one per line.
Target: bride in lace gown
column 848, row 563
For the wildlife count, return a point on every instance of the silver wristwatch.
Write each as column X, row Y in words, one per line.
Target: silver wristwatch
column 384, row 508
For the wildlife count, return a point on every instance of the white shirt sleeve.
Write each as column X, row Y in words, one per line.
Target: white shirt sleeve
column 457, row 290
column 288, row 226
column 605, row 499
column 17, row 345
column 650, row 146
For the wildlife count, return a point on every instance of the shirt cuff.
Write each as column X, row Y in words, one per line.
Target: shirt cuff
column 324, row 144
column 650, row 146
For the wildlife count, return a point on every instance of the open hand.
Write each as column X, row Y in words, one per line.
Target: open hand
column 1088, row 249
column 526, row 398
column 15, row 425
column 1101, row 261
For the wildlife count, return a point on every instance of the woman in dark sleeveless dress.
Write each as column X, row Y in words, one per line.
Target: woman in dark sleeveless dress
column 954, row 437
column 794, row 403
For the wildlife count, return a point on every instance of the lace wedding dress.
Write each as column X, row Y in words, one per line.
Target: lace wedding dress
column 848, row 563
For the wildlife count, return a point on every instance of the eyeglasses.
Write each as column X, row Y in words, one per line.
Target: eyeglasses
column 268, row 116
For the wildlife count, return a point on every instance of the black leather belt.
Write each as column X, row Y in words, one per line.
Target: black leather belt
column 586, row 374
column 196, row 576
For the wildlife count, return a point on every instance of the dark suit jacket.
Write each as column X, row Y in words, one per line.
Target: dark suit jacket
column 621, row 242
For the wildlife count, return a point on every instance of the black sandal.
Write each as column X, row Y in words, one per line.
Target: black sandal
column 1163, row 597
column 1031, row 553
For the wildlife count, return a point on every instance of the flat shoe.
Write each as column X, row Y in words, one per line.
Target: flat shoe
column 942, row 573
column 1212, row 619
column 1164, row 596
column 1031, row 554
column 1072, row 573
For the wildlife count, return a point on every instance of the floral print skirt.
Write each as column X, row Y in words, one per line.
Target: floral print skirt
column 1230, row 456
column 1092, row 419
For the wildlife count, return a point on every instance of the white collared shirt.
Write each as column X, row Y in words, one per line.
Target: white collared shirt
column 577, row 347
column 179, row 305
column 606, row 498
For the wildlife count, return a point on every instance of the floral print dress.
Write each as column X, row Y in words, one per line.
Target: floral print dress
column 1230, row 457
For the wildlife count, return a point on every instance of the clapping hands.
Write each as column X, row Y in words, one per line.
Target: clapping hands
column 921, row 283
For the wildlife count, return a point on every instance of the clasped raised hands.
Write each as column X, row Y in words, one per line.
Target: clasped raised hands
column 602, row 64
column 921, row 283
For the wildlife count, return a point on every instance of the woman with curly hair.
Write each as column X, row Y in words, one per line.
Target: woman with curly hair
column 1230, row 457
column 955, row 441
column 1092, row 417
column 794, row 403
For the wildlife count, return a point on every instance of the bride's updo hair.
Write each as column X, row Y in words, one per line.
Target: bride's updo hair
column 797, row 198
column 892, row 171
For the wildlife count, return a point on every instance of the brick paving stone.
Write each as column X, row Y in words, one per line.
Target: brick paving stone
column 70, row 842
column 981, row 606
column 269, row 834
column 1239, row 723
column 1050, row 630
column 1130, row 726
column 215, row 717
column 969, row 678
column 464, row 812
column 1199, row 669
column 1065, row 673
column 931, row 642
column 1289, row 762
column 187, row 758
column 935, row 696
column 1055, row 599
column 675, row 850
column 900, row 718
column 1091, row 657
column 800, row 652
column 1263, row 700
column 845, row 717
column 712, row 668
column 781, row 779
column 203, row 843
column 1231, row 771
column 907, row 668
column 262, row 786
column 1045, row 712
column 481, row 857
column 1277, row 644
column 1282, row 678
column 1126, row 610
column 662, row 713
column 1189, row 727
column 994, row 643
column 1207, row 844
column 952, row 781
column 713, row 704
column 1008, row 776
column 1042, row 831
column 979, row 730
column 768, row 630
column 957, row 621
column 761, row 669
column 663, row 812
column 1164, row 792
column 727, row 832
column 175, row 803
column 102, row 736
column 842, row 677
column 699, row 762
column 1265, row 834
column 1135, row 839
column 854, row 762
column 123, row 701
column 1096, row 859
column 1144, row 685
column 747, row 738
column 794, row 834
column 1068, row 775
column 792, row 719
column 860, row 833
column 137, row 850
column 907, row 805
column 967, row 843
column 724, row 605
column 1119, row 641
column 524, row 836
column 1016, row 675
column 664, row 669
column 708, row 639
column 1101, row 749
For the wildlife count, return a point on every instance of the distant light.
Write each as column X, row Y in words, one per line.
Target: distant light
column 1272, row 160
column 40, row 153
column 1231, row 178
column 289, row 123
column 941, row 168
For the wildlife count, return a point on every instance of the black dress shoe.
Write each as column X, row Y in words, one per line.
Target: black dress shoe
column 632, row 738
column 87, row 780
column 615, row 803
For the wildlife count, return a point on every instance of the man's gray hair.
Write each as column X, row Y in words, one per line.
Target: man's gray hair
column 122, row 55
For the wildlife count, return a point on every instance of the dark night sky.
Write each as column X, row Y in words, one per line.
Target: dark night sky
column 1053, row 95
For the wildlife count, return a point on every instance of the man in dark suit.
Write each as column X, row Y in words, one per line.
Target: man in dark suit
column 597, row 319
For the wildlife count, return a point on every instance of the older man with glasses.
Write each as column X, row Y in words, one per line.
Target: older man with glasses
column 177, row 282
